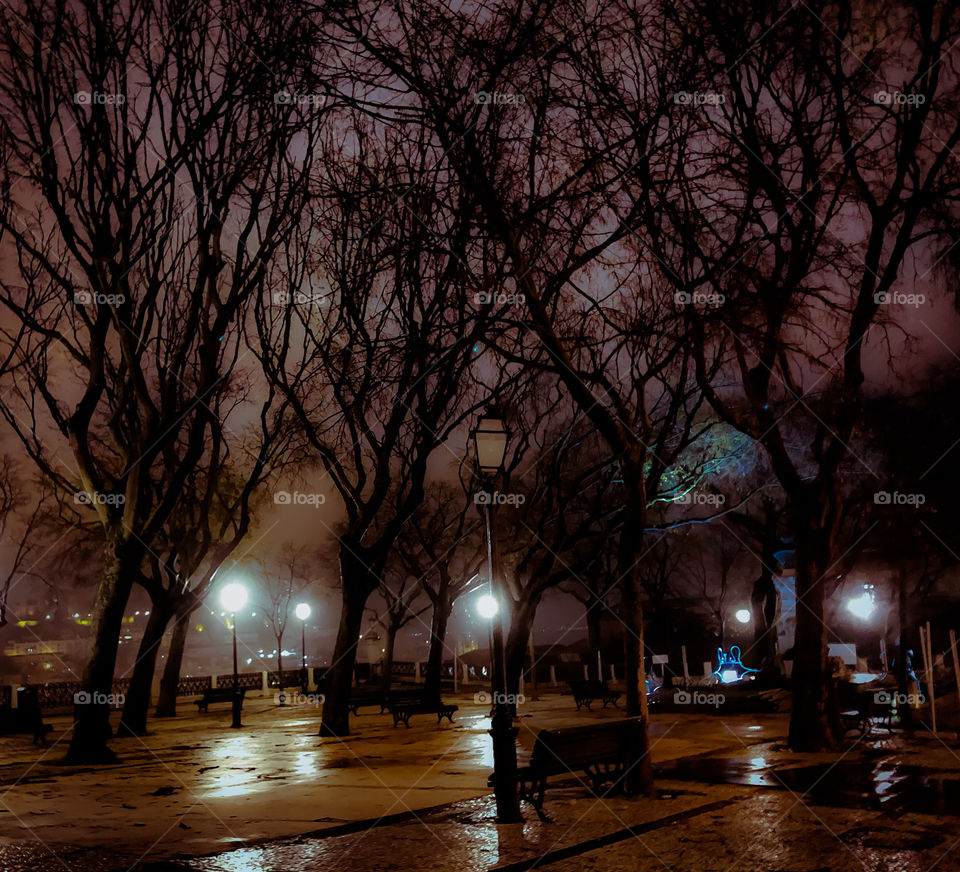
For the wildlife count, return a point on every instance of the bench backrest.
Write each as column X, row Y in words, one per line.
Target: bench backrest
column 412, row 698
column 573, row 748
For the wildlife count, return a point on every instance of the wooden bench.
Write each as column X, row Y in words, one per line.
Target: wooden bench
column 218, row 694
column 606, row 752
column 360, row 698
column 866, row 709
column 585, row 693
column 403, row 706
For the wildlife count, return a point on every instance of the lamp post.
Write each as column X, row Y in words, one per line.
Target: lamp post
column 233, row 597
column 302, row 611
column 490, row 440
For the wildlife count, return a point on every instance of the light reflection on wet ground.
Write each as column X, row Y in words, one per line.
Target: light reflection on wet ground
column 845, row 783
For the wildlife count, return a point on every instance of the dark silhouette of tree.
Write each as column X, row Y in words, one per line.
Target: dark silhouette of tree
column 377, row 363
column 143, row 205
column 404, row 602
column 784, row 303
column 442, row 546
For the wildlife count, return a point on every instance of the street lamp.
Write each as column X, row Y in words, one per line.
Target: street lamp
column 863, row 606
column 487, row 606
column 490, row 442
column 302, row 611
column 742, row 615
column 233, row 597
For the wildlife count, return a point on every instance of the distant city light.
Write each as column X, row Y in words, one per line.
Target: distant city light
column 487, row 606
column 743, row 616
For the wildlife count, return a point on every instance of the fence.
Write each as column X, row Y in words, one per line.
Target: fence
column 60, row 694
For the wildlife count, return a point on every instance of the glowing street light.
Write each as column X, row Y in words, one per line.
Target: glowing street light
column 303, row 611
column 862, row 606
column 742, row 615
column 233, row 597
column 487, row 606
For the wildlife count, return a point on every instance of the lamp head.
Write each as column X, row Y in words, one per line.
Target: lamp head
column 233, row 597
column 490, row 440
column 487, row 606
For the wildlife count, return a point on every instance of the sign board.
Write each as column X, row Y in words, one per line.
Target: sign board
column 660, row 659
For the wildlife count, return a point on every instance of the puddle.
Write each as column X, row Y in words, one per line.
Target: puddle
column 847, row 784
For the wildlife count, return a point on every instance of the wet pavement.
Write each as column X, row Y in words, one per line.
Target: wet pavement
column 196, row 795
column 881, row 785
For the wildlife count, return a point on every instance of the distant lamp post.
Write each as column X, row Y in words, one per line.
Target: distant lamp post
column 863, row 606
column 743, row 615
column 490, row 442
column 303, row 611
column 233, row 597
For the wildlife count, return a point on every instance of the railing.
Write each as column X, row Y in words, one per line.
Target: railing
column 194, row 685
column 291, row 678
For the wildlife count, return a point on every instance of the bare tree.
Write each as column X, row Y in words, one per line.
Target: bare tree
column 284, row 575
column 441, row 546
column 142, row 207
column 785, row 306
column 404, row 602
column 377, row 362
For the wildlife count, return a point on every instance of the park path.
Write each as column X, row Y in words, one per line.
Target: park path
column 274, row 796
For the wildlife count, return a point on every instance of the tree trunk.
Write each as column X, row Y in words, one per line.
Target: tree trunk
column 904, row 683
column 391, row 640
column 280, row 669
column 812, row 726
column 356, row 590
column 137, row 703
column 438, row 635
column 170, row 680
column 763, row 599
column 518, row 641
column 640, row 778
column 91, row 729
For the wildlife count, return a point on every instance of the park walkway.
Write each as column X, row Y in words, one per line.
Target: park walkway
column 197, row 795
